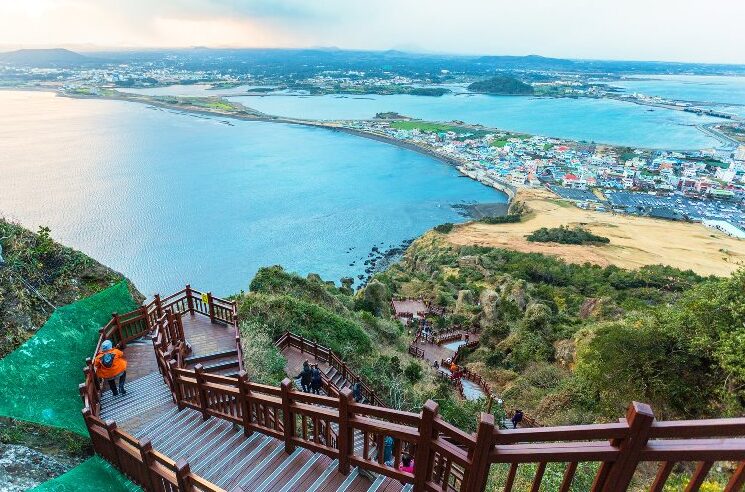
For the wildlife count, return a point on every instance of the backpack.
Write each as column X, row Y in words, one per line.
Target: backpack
column 107, row 360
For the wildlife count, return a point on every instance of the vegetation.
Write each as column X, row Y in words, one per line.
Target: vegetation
column 502, row 219
column 572, row 343
column 425, row 126
column 39, row 274
column 356, row 326
column 565, row 235
column 444, row 228
column 502, row 85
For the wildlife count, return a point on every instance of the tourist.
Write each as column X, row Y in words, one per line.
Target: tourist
column 305, row 377
column 110, row 364
column 357, row 391
column 517, row 418
column 448, row 361
column 453, row 367
column 436, row 365
column 315, row 380
column 388, row 451
column 407, row 463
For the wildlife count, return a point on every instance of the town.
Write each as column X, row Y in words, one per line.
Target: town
column 701, row 185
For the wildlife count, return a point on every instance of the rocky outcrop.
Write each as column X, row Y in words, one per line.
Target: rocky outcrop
column 23, row 468
column 464, row 302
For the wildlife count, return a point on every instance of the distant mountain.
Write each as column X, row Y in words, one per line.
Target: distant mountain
column 56, row 57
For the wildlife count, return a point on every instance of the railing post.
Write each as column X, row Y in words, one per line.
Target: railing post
column 118, row 324
column 143, row 312
column 315, row 350
column 245, row 393
column 479, row 472
column 182, row 475
column 111, row 431
column 616, row 475
column 176, row 386
column 302, row 344
column 146, row 448
column 158, row 306
column 96, row 382
column 211, row 306
column 423, row 469
column 199, row 373
column 189, row 299
column 288, row 419
column 345, row 440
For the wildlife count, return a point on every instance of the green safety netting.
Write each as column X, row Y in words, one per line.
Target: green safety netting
column 39, row 380
column 94, row 475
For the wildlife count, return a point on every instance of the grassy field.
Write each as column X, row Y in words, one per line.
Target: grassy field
column 634, row 241
column 426, row 126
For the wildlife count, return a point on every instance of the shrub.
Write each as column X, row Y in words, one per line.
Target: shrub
column 261, row 359
column 444, row 228
column 413, row 371
column 565, row 235
column 501, row 219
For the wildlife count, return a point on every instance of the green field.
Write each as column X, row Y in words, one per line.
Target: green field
column 425, row 126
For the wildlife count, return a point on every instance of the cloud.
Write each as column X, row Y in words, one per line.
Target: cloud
column 676, row 30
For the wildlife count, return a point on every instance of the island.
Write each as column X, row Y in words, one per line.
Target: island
column 502, row 86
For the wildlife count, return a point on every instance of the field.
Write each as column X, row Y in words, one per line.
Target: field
column 634, row 241
column 427, row 127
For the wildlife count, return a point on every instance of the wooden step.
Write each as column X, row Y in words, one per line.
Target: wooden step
column 196, row 359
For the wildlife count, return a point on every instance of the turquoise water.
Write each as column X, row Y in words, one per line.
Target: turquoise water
column 169, row 198
column 599, row 120
column 697, row 88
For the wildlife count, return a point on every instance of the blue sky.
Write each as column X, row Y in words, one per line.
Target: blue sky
column 680, row 30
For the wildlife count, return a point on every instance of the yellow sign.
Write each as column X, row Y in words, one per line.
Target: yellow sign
column 205, row 299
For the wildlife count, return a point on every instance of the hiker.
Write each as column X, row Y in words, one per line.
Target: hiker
column 467, row 337
column 517, row 418
column 453, row 367
column 388, row 451
column 407, row 463
column 436, row 365
column 448, row 361
column 110, row 364
column 315, row 380
column 305, row 377
column 357, row 391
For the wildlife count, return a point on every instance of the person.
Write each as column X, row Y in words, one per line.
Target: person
column 436, row 365
column 388, row 451
column 315, row 380
column 407, row 463
column 467, row 337
column 305, row 377
column 453, row 367
column 357, row 391
column 517, row 418
column 110, row 364
column 448, row 361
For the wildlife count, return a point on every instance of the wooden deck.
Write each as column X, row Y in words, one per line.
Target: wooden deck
column 203, row 336
column 216, row 449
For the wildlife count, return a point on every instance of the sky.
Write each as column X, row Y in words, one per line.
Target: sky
column 672, row 30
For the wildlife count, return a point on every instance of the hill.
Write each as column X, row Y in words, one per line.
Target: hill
column 56, row 57
column 503, row 86
column 573, row 343
column 634, row 241
column 37, row 274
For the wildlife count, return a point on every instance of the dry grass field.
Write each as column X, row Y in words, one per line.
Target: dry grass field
column 634, row 241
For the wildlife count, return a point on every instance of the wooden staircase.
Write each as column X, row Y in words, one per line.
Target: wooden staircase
column 224, row 363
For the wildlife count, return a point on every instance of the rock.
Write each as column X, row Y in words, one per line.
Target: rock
column 469, row 261
column 517, row 293
column 565, row 352
column 465, row 300
column 489, row 301
column 23, row 468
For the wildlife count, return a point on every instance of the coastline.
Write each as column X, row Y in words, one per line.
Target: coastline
column 252, row 115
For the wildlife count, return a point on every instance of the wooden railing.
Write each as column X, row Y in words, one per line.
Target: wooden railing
column 447, row 459
column 145, row 466
column 327, row 355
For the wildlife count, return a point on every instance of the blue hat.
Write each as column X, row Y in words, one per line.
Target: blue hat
column 106, row 345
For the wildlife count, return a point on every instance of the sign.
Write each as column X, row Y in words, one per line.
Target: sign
column 205, row 299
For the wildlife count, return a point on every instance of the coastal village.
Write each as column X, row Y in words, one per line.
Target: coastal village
column 706, row 186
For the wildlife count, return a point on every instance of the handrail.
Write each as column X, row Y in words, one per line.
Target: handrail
column 446, row 457
column 327, row 355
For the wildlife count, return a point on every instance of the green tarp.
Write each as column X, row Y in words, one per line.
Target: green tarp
column 93, row 475
column 39, row 380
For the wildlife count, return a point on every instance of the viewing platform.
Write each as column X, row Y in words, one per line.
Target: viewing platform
column 192, row 421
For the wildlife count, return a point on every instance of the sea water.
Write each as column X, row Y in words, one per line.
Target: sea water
column 169, row 198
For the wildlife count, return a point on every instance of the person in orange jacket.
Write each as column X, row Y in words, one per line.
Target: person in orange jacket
column 110, row 364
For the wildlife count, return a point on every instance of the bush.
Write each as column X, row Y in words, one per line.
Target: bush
column 444, row 228
column 413, row 371
column 565, row 235
column 501, row 219
column 261, row 359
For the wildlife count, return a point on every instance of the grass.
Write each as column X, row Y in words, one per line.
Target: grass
column 427, row 127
